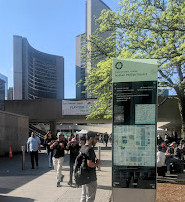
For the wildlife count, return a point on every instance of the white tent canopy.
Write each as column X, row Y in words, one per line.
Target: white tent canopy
column 160, row 129
column 81, row 132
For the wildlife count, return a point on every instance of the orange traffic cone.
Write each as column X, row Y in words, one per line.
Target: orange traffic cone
column 10, row 152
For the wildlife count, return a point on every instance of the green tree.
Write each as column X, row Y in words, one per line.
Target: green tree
column 140, row 29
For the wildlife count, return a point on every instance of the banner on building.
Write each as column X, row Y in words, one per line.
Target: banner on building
column 81, row 107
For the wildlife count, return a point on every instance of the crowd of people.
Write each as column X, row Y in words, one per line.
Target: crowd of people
column 170, row 151
column 105, row 138
column 55, row 148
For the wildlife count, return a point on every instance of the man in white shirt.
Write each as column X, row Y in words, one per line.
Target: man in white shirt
column 33, row 145
column 161, row 158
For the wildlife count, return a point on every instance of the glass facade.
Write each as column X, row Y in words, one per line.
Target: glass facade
column 2, row 94
column 42, row 74
column 5, row 79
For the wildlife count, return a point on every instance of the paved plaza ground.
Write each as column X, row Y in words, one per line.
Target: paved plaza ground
column 17, row 185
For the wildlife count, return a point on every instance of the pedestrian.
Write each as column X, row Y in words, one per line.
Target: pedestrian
column 82, row 139
column 89, row 189
column 77, row 137
column 73, row 147
column 106, row 138
column 48, row 140
column 182, row 149
column 33, row 145
column 110, row 138
column 71, row 137
column 101, row 137
column 161, row 159
column 159, row 139
column 173, row 156
column 58, row 156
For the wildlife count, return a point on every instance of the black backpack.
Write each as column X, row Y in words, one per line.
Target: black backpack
column 81, row 171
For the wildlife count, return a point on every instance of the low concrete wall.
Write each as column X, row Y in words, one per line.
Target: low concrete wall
column 14, row 132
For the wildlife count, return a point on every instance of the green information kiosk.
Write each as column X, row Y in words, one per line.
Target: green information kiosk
column 134, row 130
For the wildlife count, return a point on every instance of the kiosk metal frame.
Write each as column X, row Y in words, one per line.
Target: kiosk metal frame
column 134, row 130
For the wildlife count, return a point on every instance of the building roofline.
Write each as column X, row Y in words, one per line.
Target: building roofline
column 105, row 4
column 37, row 49
column 80, row 34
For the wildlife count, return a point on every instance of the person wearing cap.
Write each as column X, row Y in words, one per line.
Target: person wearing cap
column 73, row 147
column 58, row 156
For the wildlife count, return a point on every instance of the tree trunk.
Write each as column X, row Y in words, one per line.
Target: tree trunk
column 53, row 128
column 181, row 103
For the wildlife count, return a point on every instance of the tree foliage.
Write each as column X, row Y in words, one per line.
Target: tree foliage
column 140, row 29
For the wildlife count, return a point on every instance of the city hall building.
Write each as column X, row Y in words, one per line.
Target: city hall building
column 37, row 75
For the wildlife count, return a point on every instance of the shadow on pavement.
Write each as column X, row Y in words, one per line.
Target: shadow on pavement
column 106, row 163
column 104, row 187
column 14, row 199
column 12, row 176
column 103, row 148
column 5, row 191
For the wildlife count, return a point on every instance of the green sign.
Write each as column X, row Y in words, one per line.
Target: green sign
column 132, row 70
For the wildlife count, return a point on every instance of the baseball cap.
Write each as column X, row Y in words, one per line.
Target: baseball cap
column 74, row 140
column 59, row 134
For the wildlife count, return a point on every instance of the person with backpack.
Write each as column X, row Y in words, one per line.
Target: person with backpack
column 89, row 165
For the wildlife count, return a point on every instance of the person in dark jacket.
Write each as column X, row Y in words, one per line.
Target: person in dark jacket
column 48, row 140
column 182, row 149
column 58, row 156
column 74, row 148
column 106, row 138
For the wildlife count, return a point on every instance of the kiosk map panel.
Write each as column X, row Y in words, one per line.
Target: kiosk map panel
column 133, row 145
column 134, row 124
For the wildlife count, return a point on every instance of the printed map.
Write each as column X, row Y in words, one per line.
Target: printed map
column 145, row 113
column 134, row 145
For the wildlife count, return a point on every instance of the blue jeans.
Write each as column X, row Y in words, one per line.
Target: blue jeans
column 72, row 161
column 50, row 156
column 171, row 160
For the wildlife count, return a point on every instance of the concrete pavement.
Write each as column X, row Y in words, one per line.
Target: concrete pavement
column 17, row 185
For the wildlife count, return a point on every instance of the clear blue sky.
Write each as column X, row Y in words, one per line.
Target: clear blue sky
column 49, row 25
